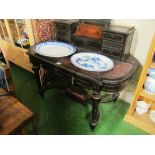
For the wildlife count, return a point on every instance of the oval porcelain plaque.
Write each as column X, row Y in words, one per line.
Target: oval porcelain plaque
column 54, row 49
column 92, row 62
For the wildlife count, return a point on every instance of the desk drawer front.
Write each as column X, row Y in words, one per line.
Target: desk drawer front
column 114, row 37
column 87, row 84
column 111, row 44
column 112, row 53
column 111, row 87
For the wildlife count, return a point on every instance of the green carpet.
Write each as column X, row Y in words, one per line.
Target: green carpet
column 58, row 114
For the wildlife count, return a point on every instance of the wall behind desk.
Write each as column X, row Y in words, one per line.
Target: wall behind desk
column 143, row 35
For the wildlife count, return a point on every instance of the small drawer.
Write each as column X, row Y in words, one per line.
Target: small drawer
column 112, row 53
column 62, row 33
column 87, row 84
column 111, row 87
column 79, row 42
column 111, row 44
column 94, row 44
column 81, row 82
column 63, row 38
column 113, row 36
column 61, row 26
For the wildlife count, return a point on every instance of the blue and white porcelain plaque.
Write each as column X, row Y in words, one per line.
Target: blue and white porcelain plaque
column 92, row 62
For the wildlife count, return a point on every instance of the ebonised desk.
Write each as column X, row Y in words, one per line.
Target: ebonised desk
column 112, row 81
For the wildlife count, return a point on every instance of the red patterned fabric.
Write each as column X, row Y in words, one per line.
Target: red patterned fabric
column 93, row 31
column 43, row 30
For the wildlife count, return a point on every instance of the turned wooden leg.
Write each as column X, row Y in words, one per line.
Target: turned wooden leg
column 95, row 113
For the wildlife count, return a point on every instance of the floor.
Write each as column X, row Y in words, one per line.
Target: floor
column 57, row 114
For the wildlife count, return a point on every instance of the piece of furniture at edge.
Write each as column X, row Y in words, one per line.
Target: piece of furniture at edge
column 143, row 121
column 47, row 69
column 13, row 114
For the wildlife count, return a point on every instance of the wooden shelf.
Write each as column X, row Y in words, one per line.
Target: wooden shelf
column 147, row 95
column 152, row 65
column 141, row 121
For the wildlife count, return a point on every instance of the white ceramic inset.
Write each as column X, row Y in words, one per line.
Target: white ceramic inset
column 92, row 61
column 149, row 85
column 142, row 107
column 151, row 72
column 152, row 115
column 140, row 111
column 54, row 49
